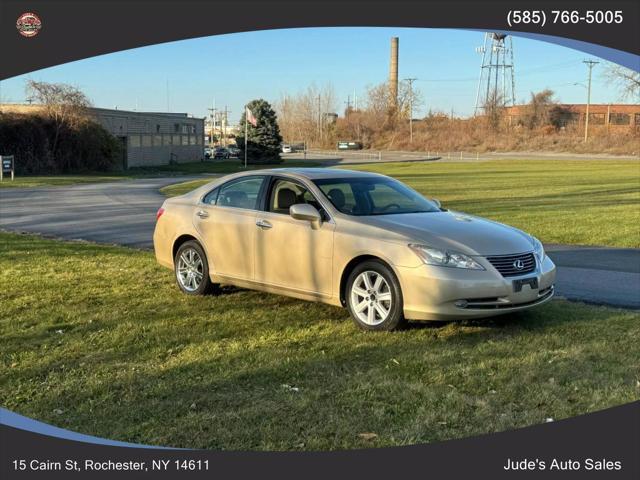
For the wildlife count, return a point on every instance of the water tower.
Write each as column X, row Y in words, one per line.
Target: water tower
column 497, row 79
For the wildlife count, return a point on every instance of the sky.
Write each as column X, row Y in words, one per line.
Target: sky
column 190, row 75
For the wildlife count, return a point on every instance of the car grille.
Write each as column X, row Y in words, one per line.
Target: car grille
column 505, row 264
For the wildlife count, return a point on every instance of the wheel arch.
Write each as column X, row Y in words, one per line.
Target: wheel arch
column 181, row 240
column 353, row 263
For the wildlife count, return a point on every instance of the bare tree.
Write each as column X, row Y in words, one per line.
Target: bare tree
column 538, row 111
column 64, row 104
column 405, row 93
column 378, row 100
column 494, row 110
column 625, row 79
column 302, row 116
column 380, row 103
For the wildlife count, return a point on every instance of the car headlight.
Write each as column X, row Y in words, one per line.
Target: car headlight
column 538, row 249
column 444, row 258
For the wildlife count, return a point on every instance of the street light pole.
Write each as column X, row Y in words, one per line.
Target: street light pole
column 410, row 80
column 226, row 121
column 590, row 64
column 246, row 132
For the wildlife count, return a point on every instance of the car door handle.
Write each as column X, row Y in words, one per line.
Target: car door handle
column 263, row 224
column 202, row 214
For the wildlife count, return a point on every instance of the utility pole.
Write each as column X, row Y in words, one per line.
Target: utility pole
column 590, row 64
column 226, row 121
column 348, row 103
column 410, row 80
column 213, row 123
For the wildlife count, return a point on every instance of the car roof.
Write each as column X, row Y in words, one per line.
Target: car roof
column 315, row 173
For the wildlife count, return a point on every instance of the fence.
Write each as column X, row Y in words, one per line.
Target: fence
column 372, row 156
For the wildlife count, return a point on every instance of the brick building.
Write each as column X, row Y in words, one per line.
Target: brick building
column 613, row 116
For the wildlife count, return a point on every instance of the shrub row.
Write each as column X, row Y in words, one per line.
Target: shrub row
column 81, row 146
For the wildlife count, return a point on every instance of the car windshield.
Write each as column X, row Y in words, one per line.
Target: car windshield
column 373, row 196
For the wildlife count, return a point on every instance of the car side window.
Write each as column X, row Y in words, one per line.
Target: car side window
column 212, row 197
column 285, row 193
column 241, row 193
column 341, row 195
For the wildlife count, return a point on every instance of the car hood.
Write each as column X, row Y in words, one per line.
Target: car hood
column 456, row 231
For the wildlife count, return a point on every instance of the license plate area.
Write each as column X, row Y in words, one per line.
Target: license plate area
column 519, row 283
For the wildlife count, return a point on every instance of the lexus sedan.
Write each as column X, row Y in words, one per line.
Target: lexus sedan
column 359, row 240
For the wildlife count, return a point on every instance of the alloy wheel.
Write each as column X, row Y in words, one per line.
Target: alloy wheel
column 371, row 298
column 190, row 270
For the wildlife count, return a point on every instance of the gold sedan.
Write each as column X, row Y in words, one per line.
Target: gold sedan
column 359, row 240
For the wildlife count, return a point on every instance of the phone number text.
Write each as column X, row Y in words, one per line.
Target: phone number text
column 541, row 17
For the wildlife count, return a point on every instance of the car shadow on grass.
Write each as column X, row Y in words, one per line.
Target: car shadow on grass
column 505, row 320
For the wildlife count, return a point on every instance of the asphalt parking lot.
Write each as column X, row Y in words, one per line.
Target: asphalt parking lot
column 124, row 213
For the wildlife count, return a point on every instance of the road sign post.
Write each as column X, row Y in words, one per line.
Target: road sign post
column 8, row 166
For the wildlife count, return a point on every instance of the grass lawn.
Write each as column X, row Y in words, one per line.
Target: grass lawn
column 583, row 202
column 98, row 339
column 217, row 166
column 57, row 180
column 183, row 187
column 210, row 166
column 225, row 167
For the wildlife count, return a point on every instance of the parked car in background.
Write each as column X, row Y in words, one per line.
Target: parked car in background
column 220, row 152
column 349, row 145
column 286, row 148
column 359, row 240
column 234, row 151
column 207, row 152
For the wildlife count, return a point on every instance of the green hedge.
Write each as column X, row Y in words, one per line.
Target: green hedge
column 82, row 147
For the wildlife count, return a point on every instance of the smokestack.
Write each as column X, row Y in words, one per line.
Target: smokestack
column 393, row 71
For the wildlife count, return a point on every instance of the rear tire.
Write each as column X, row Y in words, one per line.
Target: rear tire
column 374, row 297
column 192, row 269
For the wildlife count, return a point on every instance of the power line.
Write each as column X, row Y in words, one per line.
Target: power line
column 544, row 68
column 521, row 73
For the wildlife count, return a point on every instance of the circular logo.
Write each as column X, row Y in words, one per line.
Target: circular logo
column 518, row 264
column 28, row 24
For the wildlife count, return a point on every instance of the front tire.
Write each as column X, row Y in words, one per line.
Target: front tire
column 192, row 269
column 374, row 297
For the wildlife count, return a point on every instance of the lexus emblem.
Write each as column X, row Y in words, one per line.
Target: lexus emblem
column 518, row 264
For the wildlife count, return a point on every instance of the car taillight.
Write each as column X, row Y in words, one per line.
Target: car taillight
column 159, row 214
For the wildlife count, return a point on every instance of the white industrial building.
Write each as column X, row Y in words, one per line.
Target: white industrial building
column 151, row 138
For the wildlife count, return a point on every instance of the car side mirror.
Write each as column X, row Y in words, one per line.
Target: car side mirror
column 437, row 202
column 304, row 211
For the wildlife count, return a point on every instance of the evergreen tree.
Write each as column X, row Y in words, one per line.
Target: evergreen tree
column 264, row 140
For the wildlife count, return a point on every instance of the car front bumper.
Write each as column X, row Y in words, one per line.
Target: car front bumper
column 441, row 293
